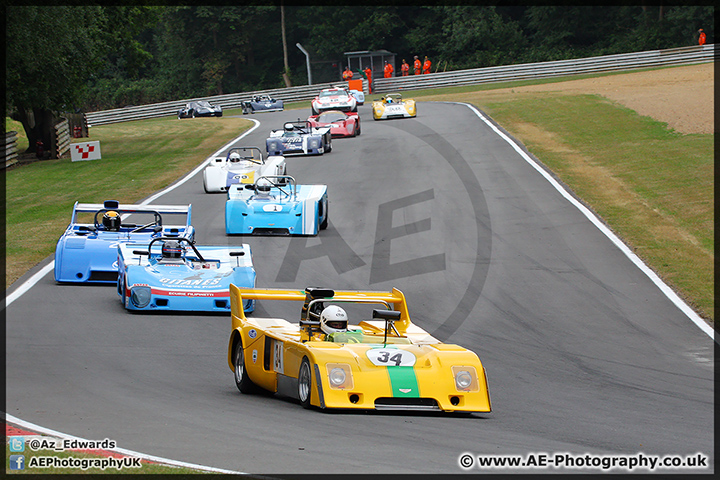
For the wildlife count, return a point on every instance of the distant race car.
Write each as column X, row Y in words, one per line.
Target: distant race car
column 87, row 252
column 299, row 138
column 173, row 274
column 200, row 109
column 392, row 105
column 262, row 103
column 359, row 96
column 324, row 359
column 336, row 98
column 240, row 165
column 342, row 124
column 276, row 205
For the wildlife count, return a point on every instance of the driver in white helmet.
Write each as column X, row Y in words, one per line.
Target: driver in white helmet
column 262, row 190
column 334, row 324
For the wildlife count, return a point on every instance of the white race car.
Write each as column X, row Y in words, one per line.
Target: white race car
column 241, row 165
column 337, row 98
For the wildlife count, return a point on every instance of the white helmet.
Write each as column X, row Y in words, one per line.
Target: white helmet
column 333, row 319
column 234, row 157
column 263, row 186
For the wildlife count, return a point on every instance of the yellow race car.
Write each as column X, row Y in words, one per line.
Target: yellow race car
column 383, row 362
column 392, row 105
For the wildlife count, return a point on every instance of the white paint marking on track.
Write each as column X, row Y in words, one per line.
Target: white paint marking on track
column 684, row 307
column 17, row 293
column 123, row 451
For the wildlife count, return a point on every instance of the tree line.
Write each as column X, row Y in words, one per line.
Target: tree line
column 63, row 58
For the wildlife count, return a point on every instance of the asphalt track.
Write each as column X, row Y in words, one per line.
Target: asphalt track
column 584, row 354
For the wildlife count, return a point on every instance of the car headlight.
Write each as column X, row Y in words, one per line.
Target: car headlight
column 339, row 376
column 314, row 143
column 465, row 378
column 140, row 296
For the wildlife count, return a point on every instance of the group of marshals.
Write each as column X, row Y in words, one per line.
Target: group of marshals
column 418, row 66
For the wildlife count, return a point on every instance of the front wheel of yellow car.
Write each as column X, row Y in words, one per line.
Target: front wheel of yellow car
column 305, row 383
column 242, row 381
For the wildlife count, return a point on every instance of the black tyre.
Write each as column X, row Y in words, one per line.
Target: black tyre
column 305, row 383
column 121, row 290
column 242, row 381
column 193, row 114
column 358, row 128
column 122, row 284
column 324, row 223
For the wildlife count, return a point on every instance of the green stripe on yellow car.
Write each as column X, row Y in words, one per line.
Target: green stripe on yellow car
column 404, row 382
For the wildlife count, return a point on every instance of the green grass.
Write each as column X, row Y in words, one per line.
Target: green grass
column 22, row 140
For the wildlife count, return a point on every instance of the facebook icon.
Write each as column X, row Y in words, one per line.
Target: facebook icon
column 17, row 462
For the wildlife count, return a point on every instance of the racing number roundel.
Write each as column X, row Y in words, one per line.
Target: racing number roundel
column 391, row 357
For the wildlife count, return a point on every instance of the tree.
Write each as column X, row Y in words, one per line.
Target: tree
column 286, row 72
column 51, row 52
column 478, row 36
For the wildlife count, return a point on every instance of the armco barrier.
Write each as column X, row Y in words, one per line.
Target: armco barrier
column 62, row 138
column 11, row 152
column 503, row 73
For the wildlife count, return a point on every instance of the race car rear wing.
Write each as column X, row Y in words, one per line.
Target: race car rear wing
column 395, row 298
column 129, row 208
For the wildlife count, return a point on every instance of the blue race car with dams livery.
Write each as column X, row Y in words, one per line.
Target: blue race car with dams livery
column 174, row 274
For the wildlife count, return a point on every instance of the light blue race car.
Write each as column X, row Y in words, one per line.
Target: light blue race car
column 276, row 205
column 173, row 274
column 87, row 252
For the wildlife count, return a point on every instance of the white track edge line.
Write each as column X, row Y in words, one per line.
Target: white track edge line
column 672, row 296
column 31, row 426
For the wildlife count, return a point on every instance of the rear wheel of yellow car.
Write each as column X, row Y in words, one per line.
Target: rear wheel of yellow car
column 242, row 381
column 305, row 383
